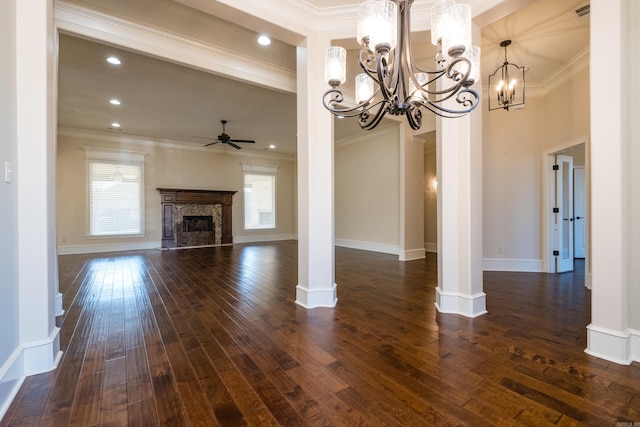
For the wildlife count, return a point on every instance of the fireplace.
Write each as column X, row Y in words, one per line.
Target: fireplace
column 196, row 217
column 196, row 230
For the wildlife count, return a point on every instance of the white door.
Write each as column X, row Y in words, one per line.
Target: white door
column 580, row 212
column 564, row 215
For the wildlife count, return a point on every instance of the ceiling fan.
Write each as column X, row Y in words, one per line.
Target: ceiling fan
column 226, row 139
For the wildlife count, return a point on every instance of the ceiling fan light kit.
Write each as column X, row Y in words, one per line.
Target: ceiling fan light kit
column 506, row 84
column 223, row 138
column 391, row 82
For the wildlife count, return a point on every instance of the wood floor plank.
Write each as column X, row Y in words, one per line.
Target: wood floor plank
column 212, row 336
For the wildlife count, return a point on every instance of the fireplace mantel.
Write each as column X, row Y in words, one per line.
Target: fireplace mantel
column 170, row 197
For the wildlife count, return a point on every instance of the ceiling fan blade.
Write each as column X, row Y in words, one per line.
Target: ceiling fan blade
column 234, row 145
column 211, row 143
column 250, row 141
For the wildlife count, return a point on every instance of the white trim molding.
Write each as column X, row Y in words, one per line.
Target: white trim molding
column 431, row 247
column 613, row 346
column 518, row 265
column 27, row 359
column 466, row 305
column 257, row 238
column 635, row 345
column 369, row 246
column 412, row 254
column 113, row 247
column 316, row 297
column 11, row 378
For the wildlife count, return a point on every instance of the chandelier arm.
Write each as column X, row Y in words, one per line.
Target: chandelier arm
column 363, row 64
column 461, row 98
column 382, row 70
column 368, row 123
column 334, row 97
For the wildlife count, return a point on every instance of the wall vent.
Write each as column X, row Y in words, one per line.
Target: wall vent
column 582, row 12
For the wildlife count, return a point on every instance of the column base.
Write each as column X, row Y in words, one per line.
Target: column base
column 316, row 297
column 465, row 305
column 42, row 356
column 411, row 254
column 611, row 345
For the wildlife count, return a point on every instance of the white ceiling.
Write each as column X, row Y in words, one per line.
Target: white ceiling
column 167, row 101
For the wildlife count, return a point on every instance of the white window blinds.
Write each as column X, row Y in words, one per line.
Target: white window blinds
column 116, row 199
column 259, row 196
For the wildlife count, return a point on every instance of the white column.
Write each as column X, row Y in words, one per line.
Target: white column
column 316, row 272
column 608, row 336
column 35, row 177
column 411, row 195
column 459, row 171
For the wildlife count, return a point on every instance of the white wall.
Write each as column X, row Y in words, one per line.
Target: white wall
column 9, row 286
column 166, row 166
column 367, row 190
column 512, row 148
column 430, row 199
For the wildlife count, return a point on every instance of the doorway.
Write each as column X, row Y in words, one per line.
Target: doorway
column 565, row 207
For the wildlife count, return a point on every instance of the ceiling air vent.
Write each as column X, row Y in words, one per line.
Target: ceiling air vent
column 582, row 12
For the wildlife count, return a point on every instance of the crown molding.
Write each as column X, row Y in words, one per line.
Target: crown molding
column 167, row 144
column 83, row 21
column 572, row 67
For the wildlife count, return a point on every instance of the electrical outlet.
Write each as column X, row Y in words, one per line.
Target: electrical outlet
column 7, row 172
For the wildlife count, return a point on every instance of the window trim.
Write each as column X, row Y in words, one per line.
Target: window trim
column 267, row 170
column 116, row 156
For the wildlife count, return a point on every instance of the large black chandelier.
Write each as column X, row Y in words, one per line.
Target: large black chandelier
column 391, row 81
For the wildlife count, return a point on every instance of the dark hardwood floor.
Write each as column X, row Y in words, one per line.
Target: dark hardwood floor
column 212, row 336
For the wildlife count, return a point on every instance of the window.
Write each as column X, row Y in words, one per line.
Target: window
column 116, row 199
column 259, row 197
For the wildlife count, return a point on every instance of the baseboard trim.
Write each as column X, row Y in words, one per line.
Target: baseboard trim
column 635, row 345
column 412, row 254
column 431, row 247
column 516, row 265
column 113, row 247
column 11, row 378
column 465, row 305
column 368, row 246
column 613, row 346
column 256, row 238
column 27, row 359
column 316, row 297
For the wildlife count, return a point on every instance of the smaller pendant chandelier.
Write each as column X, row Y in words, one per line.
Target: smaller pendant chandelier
column 506, row 84
column 391, row 82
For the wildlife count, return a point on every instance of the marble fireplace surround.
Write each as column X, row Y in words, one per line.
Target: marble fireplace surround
column 177, row 203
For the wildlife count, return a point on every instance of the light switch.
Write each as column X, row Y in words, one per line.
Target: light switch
column 7, row 172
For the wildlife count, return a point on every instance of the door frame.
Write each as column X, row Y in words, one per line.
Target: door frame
column 548, row 202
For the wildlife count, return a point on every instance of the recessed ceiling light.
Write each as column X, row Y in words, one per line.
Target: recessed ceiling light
column 113, row 60
column 115, row 124
column 272, row 146
column 115, row 102
column 264, row 40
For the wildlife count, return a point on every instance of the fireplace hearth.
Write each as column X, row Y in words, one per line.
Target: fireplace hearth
column 196, row 217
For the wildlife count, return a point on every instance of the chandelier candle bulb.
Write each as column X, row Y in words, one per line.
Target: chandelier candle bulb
column 457, row 35
column 439, row 20
column 335, row 66
column 379, row 21
column 364, row 88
